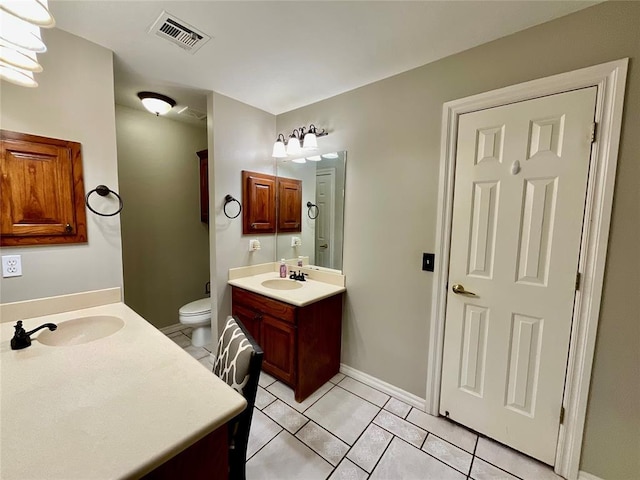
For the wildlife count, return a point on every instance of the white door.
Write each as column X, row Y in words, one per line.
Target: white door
column 520, row 183
column 325, row 221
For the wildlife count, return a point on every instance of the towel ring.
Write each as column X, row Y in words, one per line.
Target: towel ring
column 309, row 207
column 227, row 200
column 103, row 191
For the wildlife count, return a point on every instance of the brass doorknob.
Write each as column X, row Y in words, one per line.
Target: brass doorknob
column 459, row 289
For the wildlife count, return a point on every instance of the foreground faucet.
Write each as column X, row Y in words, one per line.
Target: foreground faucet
column 22, row 339
column 298, row 276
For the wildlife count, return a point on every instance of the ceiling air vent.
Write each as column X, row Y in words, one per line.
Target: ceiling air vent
column 179, row 33
column 193, row 113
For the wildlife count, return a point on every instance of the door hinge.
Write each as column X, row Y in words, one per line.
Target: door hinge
column 578, row 278
column 561, row 415
column 594, row 128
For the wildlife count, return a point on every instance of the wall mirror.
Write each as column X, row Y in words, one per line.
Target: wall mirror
column 320, row 241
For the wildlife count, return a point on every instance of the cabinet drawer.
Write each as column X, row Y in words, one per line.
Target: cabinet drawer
column 280, row 310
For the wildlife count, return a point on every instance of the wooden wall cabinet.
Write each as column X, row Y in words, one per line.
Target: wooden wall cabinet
column 289, row 204
column 42, row 191
column 268, row 199
column 203, row 155
column 259, row 203
column 301, row 344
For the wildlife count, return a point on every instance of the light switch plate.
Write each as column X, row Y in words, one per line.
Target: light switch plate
column 428, row 261
column 11, row 266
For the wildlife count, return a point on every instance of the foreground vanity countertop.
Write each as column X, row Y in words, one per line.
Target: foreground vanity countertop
column 310, row 291
column 116, row 407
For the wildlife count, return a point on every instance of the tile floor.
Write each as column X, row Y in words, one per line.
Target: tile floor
column 348, row 430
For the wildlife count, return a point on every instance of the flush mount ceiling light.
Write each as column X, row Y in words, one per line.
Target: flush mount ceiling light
column 283, row 147
column 20, row 40
column 156, row 102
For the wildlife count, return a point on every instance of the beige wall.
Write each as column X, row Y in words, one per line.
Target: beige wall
column 74, row 101
column 165, row 246
column 391, row 130
column 242, row 137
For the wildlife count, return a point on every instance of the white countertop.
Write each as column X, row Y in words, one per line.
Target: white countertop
column 310, row 291
column 112, row 408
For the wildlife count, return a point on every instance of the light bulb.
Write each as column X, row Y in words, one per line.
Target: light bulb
column 22, row 59
column 279, row 150
column 310, row 141
column 293, row 147
column 17, row 76
column 20, row 34
column 35, row 12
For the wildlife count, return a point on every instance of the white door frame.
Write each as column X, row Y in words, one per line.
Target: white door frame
column 610, row 78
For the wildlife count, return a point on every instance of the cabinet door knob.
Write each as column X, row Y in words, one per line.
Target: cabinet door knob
column 68, row 228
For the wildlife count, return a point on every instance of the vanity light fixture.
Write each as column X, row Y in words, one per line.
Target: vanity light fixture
column 283, row 147
column 35, row 12
column 20, row 39
column 330, row 156
column 156, row 102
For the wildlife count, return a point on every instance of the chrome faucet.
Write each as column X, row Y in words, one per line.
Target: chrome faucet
column 22, row 339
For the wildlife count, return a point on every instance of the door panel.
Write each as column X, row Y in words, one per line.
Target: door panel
column 520, row 183
column 325, row 221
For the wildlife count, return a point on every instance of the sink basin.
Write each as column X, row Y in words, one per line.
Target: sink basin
column 81, row 330
column 282, row 284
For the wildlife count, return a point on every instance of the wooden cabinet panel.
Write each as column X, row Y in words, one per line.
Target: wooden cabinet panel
column 281, row 310
column 278, row 343
column 301, row 344
column 204, row 185
column 42, row 194
column 252, row 320
column 289, row 205
column 259, row 203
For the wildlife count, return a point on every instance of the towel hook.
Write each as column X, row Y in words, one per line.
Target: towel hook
column 227, row 200
column 309, row 207
column 103, row 191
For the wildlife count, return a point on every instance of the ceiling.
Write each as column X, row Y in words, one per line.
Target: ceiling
column 278, row 56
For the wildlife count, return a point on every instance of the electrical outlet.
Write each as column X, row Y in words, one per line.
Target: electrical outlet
column 11, row 266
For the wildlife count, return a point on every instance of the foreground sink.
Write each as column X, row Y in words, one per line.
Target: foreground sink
column 282, row 284
column 81, row 330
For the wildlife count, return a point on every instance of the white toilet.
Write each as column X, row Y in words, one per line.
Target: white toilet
column 197, row 315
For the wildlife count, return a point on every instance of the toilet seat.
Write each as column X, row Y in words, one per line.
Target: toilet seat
column 198, row 311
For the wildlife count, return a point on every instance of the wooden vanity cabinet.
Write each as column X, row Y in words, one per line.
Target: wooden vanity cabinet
column 301, row 344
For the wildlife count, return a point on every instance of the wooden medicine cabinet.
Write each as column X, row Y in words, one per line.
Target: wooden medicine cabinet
column 270, row 204
column 42, row 194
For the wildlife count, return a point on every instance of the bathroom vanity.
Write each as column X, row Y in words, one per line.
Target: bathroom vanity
column 297, row 324
column 127, row 403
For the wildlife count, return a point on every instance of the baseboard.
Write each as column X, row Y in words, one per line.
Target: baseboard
column 172, row 328
column 587, row 476
column 406, row 397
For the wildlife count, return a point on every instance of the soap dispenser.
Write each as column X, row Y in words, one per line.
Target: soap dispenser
column 283, row 269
